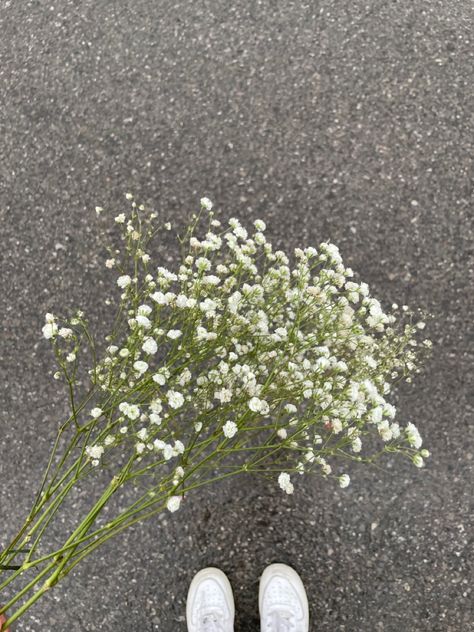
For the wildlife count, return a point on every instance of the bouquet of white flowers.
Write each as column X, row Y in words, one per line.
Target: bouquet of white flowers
column 237, row 361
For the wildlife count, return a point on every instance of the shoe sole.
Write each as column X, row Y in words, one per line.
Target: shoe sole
column 221, row 578
column 283, row 570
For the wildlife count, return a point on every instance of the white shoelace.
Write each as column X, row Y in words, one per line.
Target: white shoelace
column 211, row 623
column 281, row 621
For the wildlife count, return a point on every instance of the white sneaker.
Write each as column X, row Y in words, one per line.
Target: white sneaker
column 210, row 604
column 282, row 600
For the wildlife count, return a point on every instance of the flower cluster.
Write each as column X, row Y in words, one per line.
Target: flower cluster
column 240, row 358
column 245, row 352
column 299, row 360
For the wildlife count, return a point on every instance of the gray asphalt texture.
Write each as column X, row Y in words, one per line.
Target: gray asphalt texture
column 350, row 121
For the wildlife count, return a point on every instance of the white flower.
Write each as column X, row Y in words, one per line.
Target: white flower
column 290, row 408
column 418, row 460
column 206, row 204
column 175, row 399
column 160, row 298
column 109, row 263
column 71, row 357
column 168, row 452
column 49, row 318
column 344, row 480
column 140, row 447
column 257, row 405
column 50, row 330
column 124, row 281
column 181, row 301
column 282, row 433
column 229, row 429
column 203, row 264
column 120, row 219
column 96, row 412
column 173, row 503
column 385, row 430
column 140, row 366
column 129, row 410
column 174, row 334
column 395, row 428
column 95, row 451
column 156, row 406
column 211, row 279
column 143, row 321
column 65, row 332
column 160, row 379
column 155, row 419
column 179, row 447
column 285, row 483
column 149, row 346
column 208, row 306
column 356, row 445
column 142, row 434
column 259, row 224
column 413, row 436
column 144, row 310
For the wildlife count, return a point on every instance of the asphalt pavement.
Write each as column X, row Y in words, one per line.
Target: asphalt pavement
column 350, row 121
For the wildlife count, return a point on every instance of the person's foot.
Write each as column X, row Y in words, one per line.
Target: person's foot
column 210, row 604
column 282, row 600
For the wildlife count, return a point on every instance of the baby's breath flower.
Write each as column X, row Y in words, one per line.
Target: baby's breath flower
column 285, row 483
column 95, row 451
column 344, row 480
column 50, row 330
column 206, row 204
column 356, row 444
column 149, row 346
column 173, row 503
column 413, row 436
column 143, row 321
column 96, row 412
column 174, row 334
column 129, row 410
column 159, row 378
column 229, row 429
column 257, row 405
column 175, row 399
column 124, row 281
column 140, row 366
column 120, row 219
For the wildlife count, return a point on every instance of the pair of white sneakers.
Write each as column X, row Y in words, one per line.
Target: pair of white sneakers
column 282, row 601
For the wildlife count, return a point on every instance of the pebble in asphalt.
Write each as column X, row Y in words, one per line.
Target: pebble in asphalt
column 349, row 121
